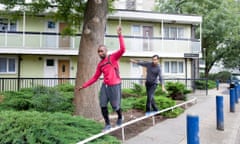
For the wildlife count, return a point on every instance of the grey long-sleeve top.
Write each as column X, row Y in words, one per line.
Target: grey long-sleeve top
column 153, row 72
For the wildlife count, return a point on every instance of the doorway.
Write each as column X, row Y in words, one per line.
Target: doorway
column 63, row 71
column 64, row 40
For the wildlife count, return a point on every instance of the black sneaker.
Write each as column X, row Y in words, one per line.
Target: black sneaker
column 107, row 127
column 119, row 122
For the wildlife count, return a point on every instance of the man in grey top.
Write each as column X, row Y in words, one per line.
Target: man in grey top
column 153, row 75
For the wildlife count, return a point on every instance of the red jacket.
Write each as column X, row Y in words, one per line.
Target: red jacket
column 110, row 75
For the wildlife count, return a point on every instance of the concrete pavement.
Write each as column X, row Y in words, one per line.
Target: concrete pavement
column 173, row 131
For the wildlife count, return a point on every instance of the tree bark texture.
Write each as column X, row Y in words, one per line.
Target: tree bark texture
column 86, row 101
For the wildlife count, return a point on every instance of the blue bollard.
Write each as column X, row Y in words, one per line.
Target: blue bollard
column 238, row 90
column 220, row 116
column 236, row 93
column 232, row 100
column 192, row 129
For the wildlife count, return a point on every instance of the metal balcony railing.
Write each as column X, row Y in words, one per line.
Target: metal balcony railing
column 43, row 40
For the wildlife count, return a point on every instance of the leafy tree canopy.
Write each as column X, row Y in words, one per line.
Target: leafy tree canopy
column 220, row 27
column 69, row 11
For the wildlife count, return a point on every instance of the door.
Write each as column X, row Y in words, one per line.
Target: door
column 147, row 38
column 50, row 36
column 63, row 71
column 50, row 71
column 64, row 41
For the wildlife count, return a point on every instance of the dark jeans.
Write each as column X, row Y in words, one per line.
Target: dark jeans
column 151, row 87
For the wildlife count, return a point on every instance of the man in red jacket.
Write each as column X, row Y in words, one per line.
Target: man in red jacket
column 111, row 86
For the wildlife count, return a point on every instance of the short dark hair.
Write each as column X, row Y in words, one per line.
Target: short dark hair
column 102, row 45
column 156, row 56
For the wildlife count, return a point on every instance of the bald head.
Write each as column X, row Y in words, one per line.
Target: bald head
column 102, row 51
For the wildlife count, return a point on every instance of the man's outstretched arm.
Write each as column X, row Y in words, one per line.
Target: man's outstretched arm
column 122, row 49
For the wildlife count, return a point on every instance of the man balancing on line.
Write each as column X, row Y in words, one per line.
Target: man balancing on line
column 153, row 74
column 111, row 86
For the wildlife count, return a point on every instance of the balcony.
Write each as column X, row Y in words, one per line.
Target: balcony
column 136, row 46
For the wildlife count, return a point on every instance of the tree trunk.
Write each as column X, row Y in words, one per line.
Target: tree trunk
column 86, row 101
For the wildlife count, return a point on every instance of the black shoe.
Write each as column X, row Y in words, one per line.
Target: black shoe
column 119, row 122
column 107, row 127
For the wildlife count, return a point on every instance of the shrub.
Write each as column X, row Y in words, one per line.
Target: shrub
column 201, row 84
column 139, row 90
column 162, row 103
column 126, row 104
column 16, row 100
column 176, row 90
column 66, row 87
column 223, row 76
column 127, row 92
column 159, row 92
column 40, row 99
column 49, row 128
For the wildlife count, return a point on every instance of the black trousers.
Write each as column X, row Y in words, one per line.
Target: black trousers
column 150, row 105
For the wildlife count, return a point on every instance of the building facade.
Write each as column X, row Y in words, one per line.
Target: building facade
column 32, row 47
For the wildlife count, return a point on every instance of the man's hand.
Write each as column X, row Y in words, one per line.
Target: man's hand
column 79, row 88
column 163, row 89
column 119, row 30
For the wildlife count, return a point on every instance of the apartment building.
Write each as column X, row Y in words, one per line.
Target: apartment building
column 32, row 47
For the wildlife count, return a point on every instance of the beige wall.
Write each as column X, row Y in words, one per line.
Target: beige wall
column 31, row 66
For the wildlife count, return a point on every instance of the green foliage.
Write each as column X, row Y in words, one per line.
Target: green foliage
column 220, row 27
column 127, row 103
column 49, row 128
column 159, row 92
column 177, row 90
column 66, row 87
column 39, row 99
column 201, row 84
column 16, row 100
column 69, row 11
column 139, row 90
column 50, row 100
column 223, row 76
column 162, row 103
column 127, row 92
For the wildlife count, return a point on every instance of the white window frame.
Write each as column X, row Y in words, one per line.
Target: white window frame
column 179, row 67
column 8, row 24
column 136, row 26
column 178, row 34
column 7, row 69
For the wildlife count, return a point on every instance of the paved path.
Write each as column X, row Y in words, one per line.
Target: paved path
column 173, row 131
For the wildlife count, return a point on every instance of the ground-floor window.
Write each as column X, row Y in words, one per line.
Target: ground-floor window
column 173, row 67
column 7, row 65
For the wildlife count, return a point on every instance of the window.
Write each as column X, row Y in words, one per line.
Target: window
column 7, row 25
column 131, row 5
column 50, row 62
column 51, row 25
column 173, row 32
column 7, row 65
column 166, row 67
column 136, row 30
column 173, row 67
column 180, row 67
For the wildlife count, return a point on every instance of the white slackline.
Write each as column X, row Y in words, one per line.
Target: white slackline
column 134, row 121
